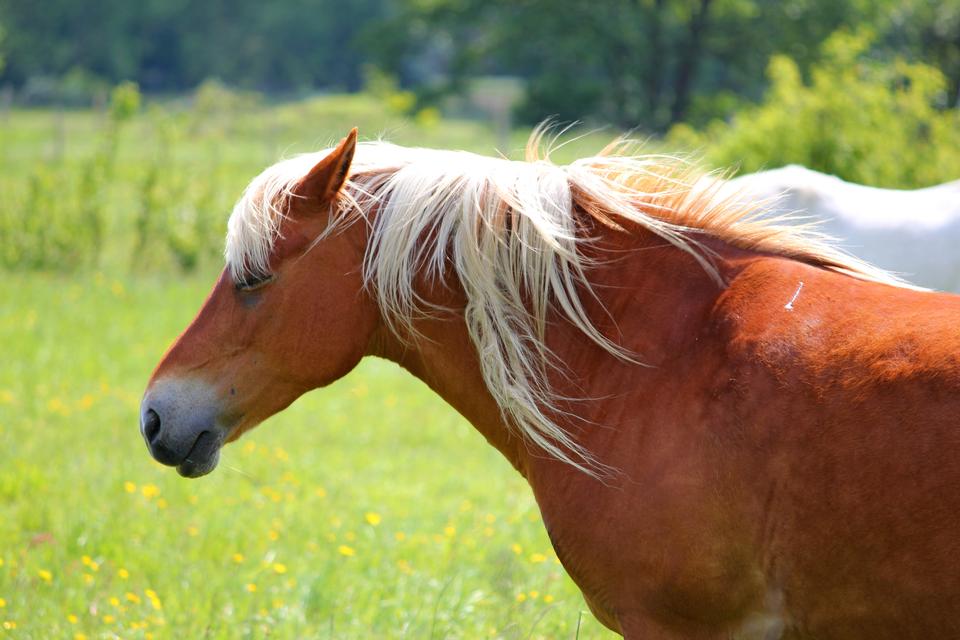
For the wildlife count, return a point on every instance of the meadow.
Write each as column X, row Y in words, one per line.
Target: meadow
column 367, row 509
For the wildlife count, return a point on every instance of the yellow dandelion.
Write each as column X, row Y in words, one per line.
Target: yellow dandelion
column 251, row 587
column 154, row 598
column 279, row 567
column 3, row 603
column 55, row 405
column 161, row 503
column 537, row 558
column 400, row 536
column 238, row 558
column 320, row 492
column 360, row 391
column 45, row 575
column 150, row 491
column 87, row 578
column 373, row 519
column 107, row 619
column 86, row 402
column 344, row 550
column 73, row 619
column 449, row 531
column 129, row 487
column 6, row 397
column 192, row 531
column 115, row 601
column 521, row 597
column 548, row 598
column 79, row 636
column 122, row 573
column 132, row 597
column 490, row 518
column 192, row 499
column 517, row 549
column 534, row 595
column 273, row 535
column 9, row 624
column 277, row 603
column 1, row 562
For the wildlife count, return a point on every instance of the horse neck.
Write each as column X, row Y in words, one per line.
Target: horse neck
column 650, row 298
column 443, row 357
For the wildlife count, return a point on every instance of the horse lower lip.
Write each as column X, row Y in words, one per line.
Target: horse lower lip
column 197, row 461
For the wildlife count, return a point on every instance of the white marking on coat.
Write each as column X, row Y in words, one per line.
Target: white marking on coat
column 789, row 305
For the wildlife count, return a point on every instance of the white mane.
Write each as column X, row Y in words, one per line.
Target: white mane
column 508, row 232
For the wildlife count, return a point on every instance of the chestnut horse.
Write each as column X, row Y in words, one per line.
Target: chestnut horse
column 731, row 428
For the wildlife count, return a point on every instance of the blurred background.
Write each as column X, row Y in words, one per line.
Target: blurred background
column 127, row 131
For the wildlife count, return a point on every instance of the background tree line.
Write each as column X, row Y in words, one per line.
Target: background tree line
column 634, row 63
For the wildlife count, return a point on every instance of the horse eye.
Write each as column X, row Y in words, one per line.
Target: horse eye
column 253, row 281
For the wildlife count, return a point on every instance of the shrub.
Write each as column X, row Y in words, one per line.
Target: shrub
column 865, row 120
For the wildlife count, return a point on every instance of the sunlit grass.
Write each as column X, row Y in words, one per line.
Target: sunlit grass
column 368, row 509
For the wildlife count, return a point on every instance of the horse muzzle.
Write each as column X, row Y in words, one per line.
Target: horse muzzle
column 179, row 420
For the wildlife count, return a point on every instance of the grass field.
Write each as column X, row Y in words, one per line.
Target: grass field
column 368, row 509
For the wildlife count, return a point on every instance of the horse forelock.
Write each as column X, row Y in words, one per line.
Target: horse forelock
column 508, row 231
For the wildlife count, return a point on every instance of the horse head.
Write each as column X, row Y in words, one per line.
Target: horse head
column 284, row 319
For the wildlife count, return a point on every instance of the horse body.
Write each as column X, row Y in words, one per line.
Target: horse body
column 789, row 469
column 782, row 459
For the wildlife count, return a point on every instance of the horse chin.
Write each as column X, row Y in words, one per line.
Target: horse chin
column 203, row 457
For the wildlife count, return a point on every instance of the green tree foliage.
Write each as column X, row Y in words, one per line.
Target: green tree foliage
column 865, row 120
column 645, row 63
column 927, row 30
column 174, row 44
column 635, row 63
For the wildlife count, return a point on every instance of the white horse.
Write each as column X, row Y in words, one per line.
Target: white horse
column 914, row 233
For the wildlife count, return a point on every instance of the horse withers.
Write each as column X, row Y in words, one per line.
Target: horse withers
column 731, row 428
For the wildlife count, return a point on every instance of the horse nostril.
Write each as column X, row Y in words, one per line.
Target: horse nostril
column 151, row 425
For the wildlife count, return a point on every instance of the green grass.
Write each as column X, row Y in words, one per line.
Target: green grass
column 368, row 509
column 175, row 170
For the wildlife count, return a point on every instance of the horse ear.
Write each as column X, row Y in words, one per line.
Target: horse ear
column 327, row 176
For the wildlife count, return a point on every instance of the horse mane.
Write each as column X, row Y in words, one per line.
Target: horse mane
column 509, row 232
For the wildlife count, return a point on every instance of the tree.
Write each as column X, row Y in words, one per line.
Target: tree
column 646, row 63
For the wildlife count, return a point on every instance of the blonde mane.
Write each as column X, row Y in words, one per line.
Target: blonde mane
column 509, row 233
